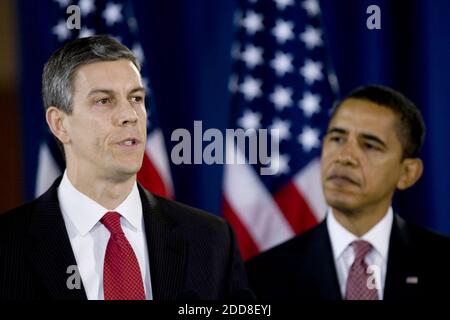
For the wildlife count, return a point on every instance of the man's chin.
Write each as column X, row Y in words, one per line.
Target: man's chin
column 343, row 203
column 126, row 171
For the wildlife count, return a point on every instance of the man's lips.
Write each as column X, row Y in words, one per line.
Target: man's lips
column 343, row 178
column 129, row 142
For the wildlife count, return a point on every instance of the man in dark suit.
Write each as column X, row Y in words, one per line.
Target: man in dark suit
column 362, row 251
column 96, row 233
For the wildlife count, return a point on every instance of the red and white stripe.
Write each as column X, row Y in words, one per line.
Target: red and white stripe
column 262, row 220
column 155, row 171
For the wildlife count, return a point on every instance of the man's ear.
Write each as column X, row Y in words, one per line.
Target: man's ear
column 57, row 122
column 412, row 171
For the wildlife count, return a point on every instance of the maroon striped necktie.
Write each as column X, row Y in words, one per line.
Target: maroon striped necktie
column 357, row 280
column 122, row 279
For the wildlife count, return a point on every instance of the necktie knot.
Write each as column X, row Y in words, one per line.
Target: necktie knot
column 111, row 220
column 361, row 249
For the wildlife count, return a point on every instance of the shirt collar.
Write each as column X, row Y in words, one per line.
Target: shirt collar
column 378, row 236
column 85, row 213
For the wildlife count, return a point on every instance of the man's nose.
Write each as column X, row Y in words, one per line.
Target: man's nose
column 127, row 114
column 348, row 155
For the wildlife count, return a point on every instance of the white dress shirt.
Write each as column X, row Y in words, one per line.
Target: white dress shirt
column 344, row 254
column 89, row 237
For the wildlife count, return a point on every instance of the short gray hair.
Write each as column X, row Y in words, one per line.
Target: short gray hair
column 59, row 71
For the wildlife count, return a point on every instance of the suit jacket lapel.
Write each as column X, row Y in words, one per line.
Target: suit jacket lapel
column 167, row 249
column 321, row 269
column 329, row 288
column 400, row 264
column 49, row 247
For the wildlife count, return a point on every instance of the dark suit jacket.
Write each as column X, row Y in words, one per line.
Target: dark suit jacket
column 303, row 267
column 193, row 255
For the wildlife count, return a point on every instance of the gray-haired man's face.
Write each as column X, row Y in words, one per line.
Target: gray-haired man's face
column 107, row 129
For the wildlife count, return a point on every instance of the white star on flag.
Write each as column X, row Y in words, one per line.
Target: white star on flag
column 309, row 138
column 311, row 71
column 252, row 22
column 251, row 88
column 283, row 127
column 138, row 52
column 282, row 4
column 112, row 13
column 63, row 3
column 252, row 56
column 250, row 120
column 283, row 31
column 311, row 37
column 86, row 32
column 281, row 97
column 61, row 30
column 86, row 7
column 312, row 7
column 282, row 63
column 310, row 104
column 279, row 162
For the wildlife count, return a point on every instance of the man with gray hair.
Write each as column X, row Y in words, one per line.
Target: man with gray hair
column 96, row 233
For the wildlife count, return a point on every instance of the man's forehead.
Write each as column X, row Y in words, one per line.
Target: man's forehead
column 107, row 74
column 113, row 76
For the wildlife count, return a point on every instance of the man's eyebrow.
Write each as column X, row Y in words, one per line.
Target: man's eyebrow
column 371, row 137
column 337, row 130
column 138, row 89
column 111, row 92
column 366, row 136
column 95, row 91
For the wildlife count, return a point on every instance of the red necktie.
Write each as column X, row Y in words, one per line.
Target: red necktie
column 122, row 278
column 357, row 280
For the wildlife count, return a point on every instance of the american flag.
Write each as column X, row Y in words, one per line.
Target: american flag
column 281, row 80
column 115, row 18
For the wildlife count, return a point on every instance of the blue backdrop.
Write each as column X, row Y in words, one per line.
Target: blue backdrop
column 187, row 46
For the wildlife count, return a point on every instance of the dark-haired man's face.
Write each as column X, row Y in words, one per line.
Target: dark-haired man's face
column 107, row 129
column 361, row 162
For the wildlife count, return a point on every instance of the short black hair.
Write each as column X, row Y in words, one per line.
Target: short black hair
column 410, row 128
